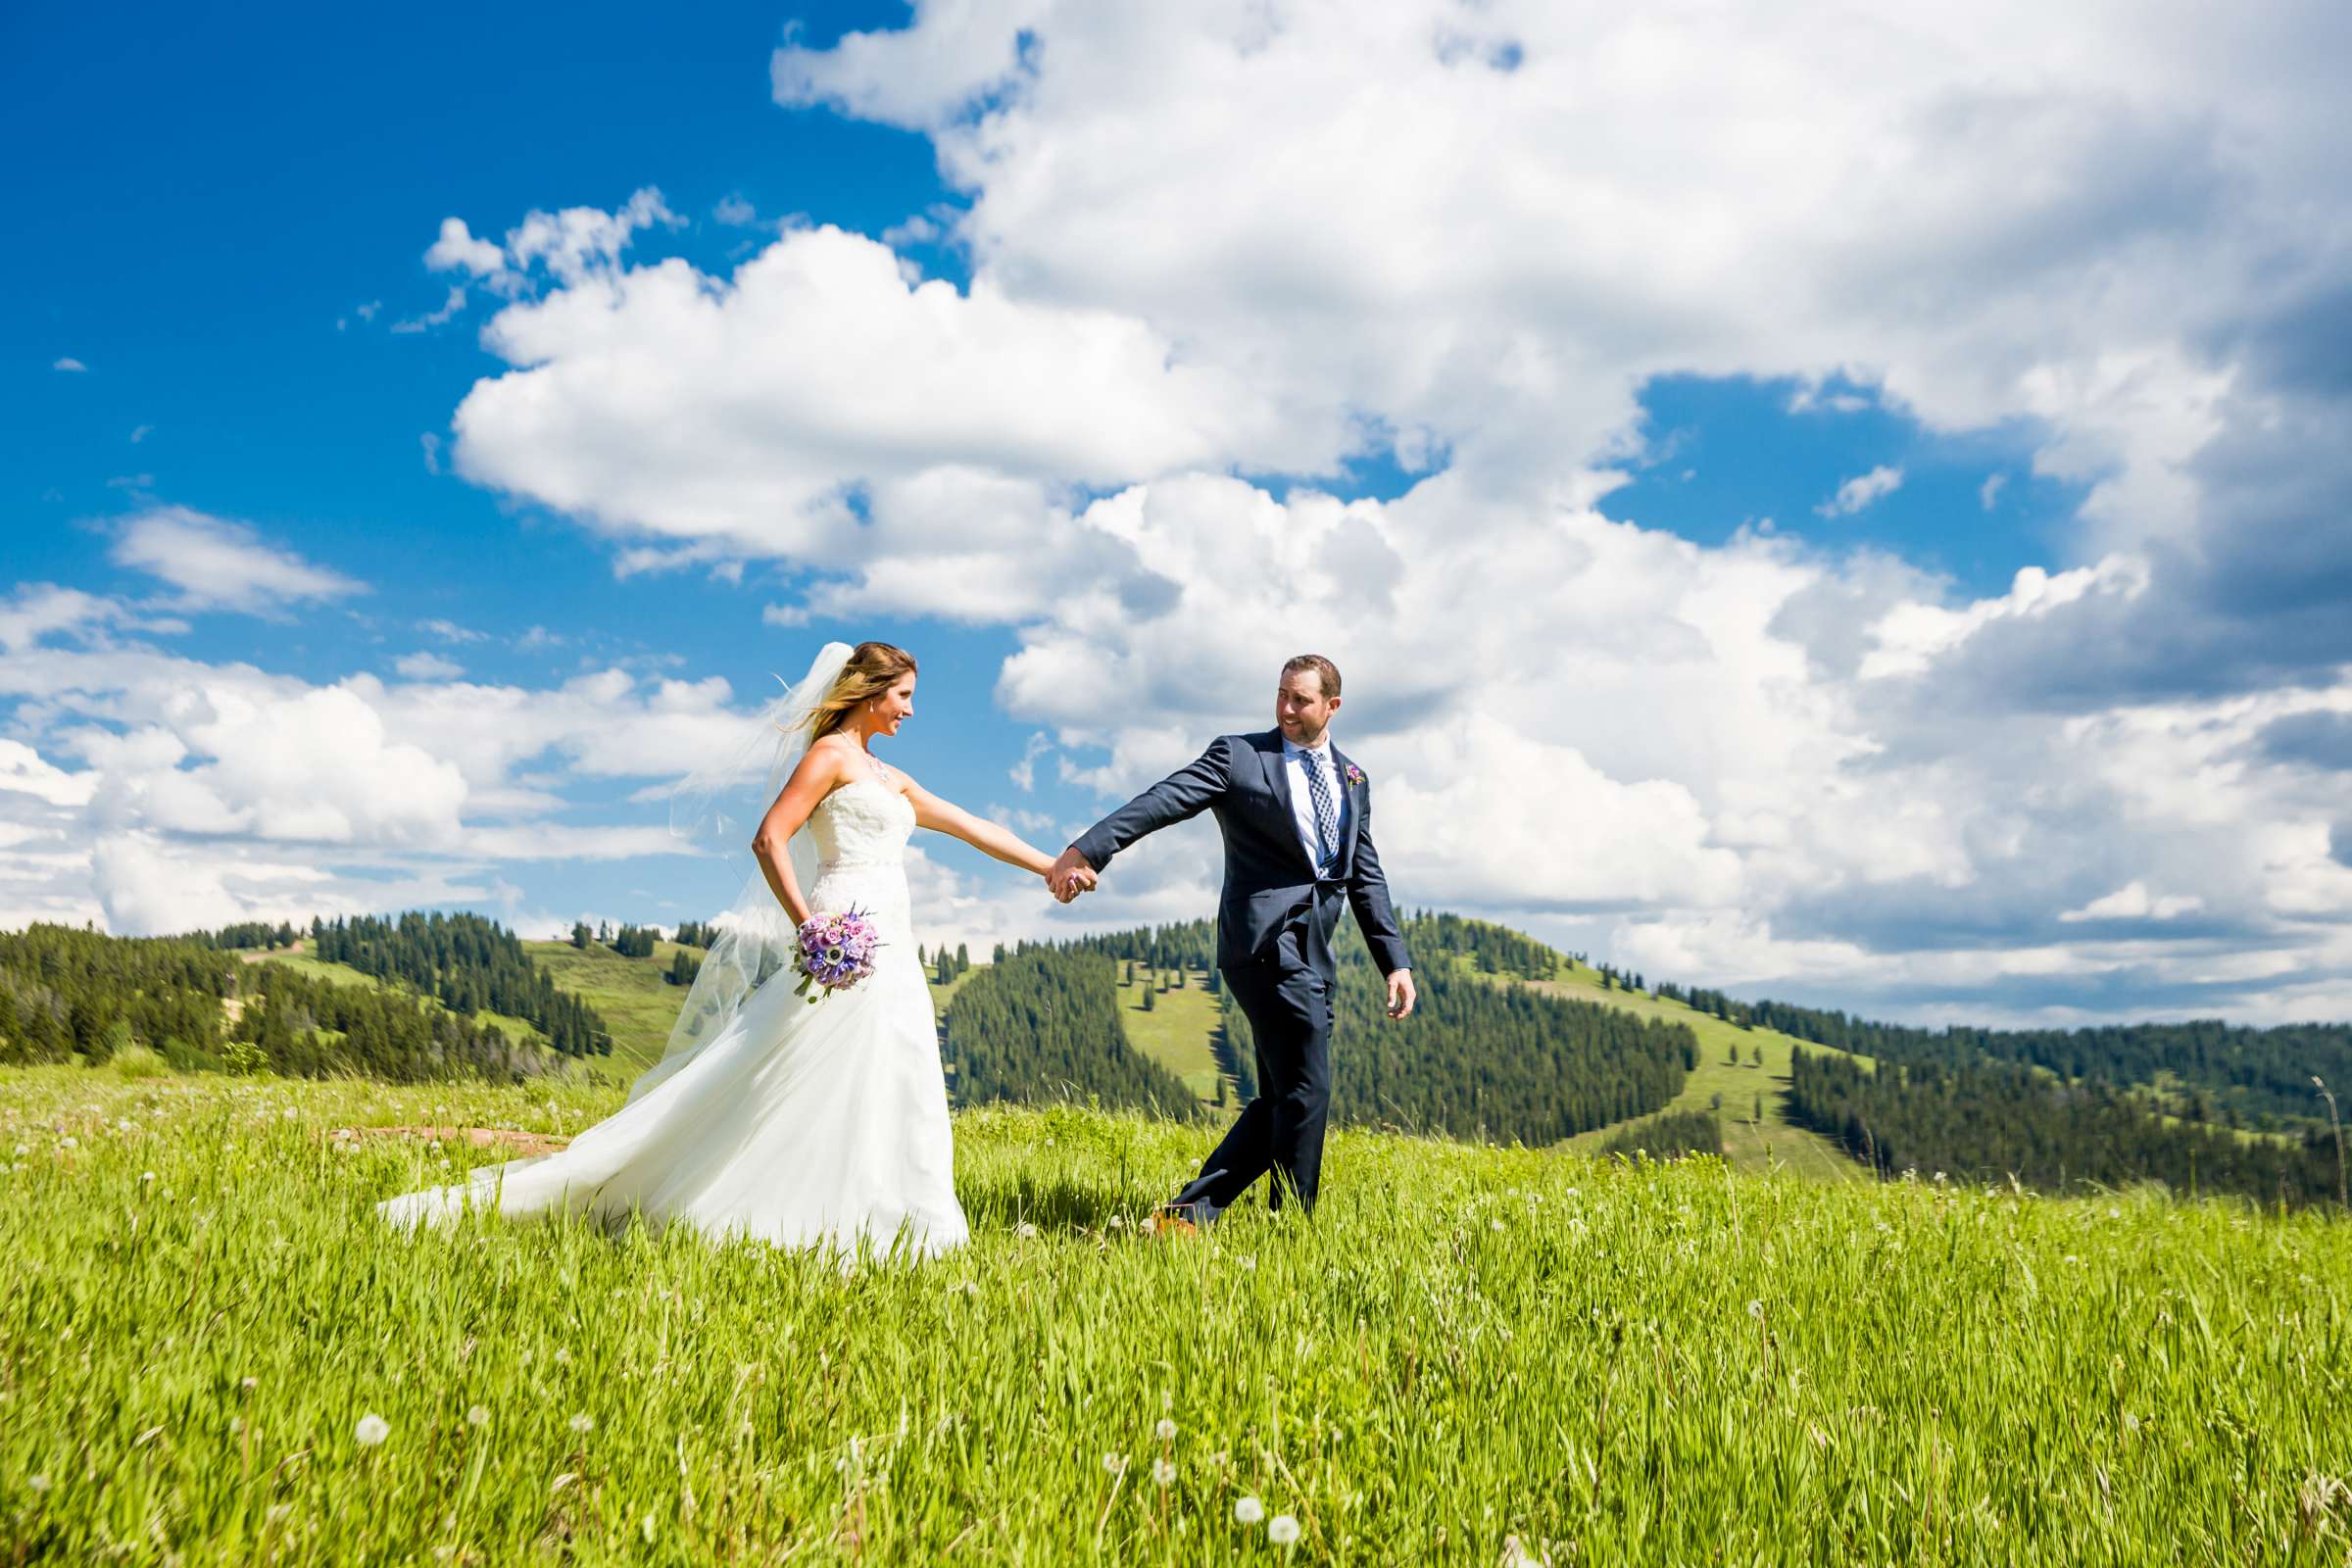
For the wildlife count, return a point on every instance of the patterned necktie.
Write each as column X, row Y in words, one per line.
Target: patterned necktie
column 1327, row 810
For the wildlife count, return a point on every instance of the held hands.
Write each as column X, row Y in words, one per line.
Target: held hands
column 1401, row 994
column 1070, row 875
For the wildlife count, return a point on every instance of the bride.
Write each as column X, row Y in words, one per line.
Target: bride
column 803, row 1124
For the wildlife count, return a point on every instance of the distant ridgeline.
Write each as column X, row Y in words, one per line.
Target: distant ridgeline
column 1478, row 1061
column 469, row 965
column 64, row 990
column 1989, row 1120
column 2224, row 1071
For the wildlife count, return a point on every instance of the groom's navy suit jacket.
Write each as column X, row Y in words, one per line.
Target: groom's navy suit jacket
column 1270, row 882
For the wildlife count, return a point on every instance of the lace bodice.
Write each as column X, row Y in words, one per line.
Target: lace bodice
column 860, row 832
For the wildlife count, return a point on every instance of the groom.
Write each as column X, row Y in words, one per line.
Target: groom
column 1296, row 818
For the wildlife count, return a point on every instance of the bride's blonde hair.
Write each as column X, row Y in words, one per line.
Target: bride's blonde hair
column 872, row 669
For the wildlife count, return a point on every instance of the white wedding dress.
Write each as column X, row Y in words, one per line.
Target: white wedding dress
column 805, row 1125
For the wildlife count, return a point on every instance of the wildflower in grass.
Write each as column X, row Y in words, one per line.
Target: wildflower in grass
column 68, row 1142
column 1283, row 1530
column 146, row 1177
column 38, row 1480
column 1166, row 1431
column 1115, row 1463
column 371, row 1430
column 1163, row 1471
column 563, row 1356
column 476, row 1416
column 1755, row 1309
column 1025, row 1230
column 1248, row 1510
column 583, row 1422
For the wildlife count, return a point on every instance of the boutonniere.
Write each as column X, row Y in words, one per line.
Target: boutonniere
column 1356, row 774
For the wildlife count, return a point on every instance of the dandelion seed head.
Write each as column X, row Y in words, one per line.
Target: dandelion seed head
column 1283, row 1530
column 1163, row 1471
column 1166, row 1430
column 38, row 1480
column 1025, row 1231
column 583, row 1422
column 1114, row 1462
column 146, row 1177
column 1248, row 1510
column 1755, row 1309
column 371, row 1430
column 476, row 1416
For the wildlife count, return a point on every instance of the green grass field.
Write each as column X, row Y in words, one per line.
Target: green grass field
column 1466, row 1348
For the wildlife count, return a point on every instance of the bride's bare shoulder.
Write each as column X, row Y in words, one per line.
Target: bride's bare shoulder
column 823, row 766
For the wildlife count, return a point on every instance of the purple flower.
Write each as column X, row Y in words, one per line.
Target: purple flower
column 1356, row 774
column 837, row 951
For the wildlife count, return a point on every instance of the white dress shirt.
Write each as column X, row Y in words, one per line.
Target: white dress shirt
column 1302, row 799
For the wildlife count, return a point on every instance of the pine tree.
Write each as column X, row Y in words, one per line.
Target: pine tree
column 964, row 958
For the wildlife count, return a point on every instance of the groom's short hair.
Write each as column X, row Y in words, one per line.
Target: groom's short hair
column 1326, row 672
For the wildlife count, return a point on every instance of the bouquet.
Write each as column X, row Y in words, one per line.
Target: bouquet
column 837, row 951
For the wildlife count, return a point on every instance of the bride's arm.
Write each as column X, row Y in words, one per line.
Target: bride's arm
column 989, row 838
column 820, row 769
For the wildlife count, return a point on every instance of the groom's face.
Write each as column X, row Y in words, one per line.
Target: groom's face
column 1300, row 709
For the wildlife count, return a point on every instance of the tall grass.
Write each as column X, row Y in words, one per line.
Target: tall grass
column 1467, row 1347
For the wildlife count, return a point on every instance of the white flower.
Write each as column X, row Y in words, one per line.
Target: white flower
column 1248, row 1510
column 146, row 1176
column 583, row 1422
column 476, row 1416
column 38, row 1481
column 1166, row 1430
column 68, row 1142
column 371, row 1430
column 1025, row 1230
column 1115, row 1463
column 248, row 1384
column 1755, row 1309
column 1163, row 1471
column 563, row 1356
column 1282, row 1530
column 1494, row 1224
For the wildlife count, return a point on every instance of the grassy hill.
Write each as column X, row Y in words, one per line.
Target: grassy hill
column 343, row 974
column 636, row 1003
column 1751, row 1141
column 1176, row 1029
column 1472, row 1354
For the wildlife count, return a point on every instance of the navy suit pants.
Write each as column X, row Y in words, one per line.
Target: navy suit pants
column 1286, row 994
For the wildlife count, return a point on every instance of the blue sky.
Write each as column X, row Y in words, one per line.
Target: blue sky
column 1750, row 460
